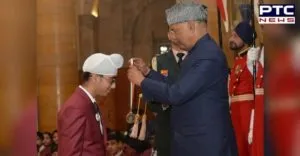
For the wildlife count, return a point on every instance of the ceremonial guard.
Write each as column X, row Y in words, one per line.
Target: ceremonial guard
column 241, row 86
column 284, row 88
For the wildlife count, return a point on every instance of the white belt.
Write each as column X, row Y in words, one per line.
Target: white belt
column 244, row 97
column 259, row 91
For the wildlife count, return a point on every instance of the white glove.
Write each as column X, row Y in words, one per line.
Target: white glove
column 252, row 54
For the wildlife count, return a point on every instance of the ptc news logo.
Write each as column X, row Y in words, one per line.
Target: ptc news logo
column 276, row 14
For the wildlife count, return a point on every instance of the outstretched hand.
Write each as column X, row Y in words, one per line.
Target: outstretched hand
column 140, row 65
column 135, row 76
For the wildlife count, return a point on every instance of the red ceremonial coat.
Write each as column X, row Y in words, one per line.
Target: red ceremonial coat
column 241, row 102
column 284, row 105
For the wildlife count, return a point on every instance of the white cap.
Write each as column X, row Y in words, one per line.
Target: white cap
column 102, row 64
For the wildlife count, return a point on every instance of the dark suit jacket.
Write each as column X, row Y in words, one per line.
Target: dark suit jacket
column 200, row 119
column 164, row 62
column 78, row 130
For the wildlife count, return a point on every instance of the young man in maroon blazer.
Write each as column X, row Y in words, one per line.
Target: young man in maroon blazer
column 81, row 129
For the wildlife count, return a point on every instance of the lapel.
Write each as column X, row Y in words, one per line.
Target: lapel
column 83, row 94
column 198, row 51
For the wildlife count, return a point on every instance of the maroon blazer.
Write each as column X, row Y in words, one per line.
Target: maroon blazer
column 78, row 130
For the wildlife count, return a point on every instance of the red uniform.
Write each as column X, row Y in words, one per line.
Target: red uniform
column 241, row 102
column 257, row 148
column 284, row 105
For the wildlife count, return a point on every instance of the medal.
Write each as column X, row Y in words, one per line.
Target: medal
column 130, row 118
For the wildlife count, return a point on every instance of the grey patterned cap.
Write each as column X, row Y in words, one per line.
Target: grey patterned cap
column 186, row 11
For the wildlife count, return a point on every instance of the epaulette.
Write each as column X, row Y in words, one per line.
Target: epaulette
column 154, row 63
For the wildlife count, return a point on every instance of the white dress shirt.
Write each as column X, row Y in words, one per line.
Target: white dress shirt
column 175, row 52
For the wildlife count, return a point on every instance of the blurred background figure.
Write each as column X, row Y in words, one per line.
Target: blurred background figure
column 283, row 103
column 45, row 149
column 55, row 137
column 116, row 145
column 54, row 147
column 39, row 140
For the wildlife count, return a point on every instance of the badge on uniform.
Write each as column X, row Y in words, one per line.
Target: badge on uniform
column 97, row 117
column 164, row 72
column 237, row 69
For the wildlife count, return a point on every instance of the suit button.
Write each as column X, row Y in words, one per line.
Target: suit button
column 261, row 76
column 234, row 87
column 241, row 70
column 258, row 86
column 237, row 80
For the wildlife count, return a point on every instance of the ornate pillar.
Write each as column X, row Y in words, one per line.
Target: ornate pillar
column 57, row 55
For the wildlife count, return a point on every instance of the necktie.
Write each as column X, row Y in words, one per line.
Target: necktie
column 98, row 116
column 180, row 57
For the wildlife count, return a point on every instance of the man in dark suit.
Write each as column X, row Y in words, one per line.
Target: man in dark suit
column 200, row 119
column 81, row 129
column 166, row 64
